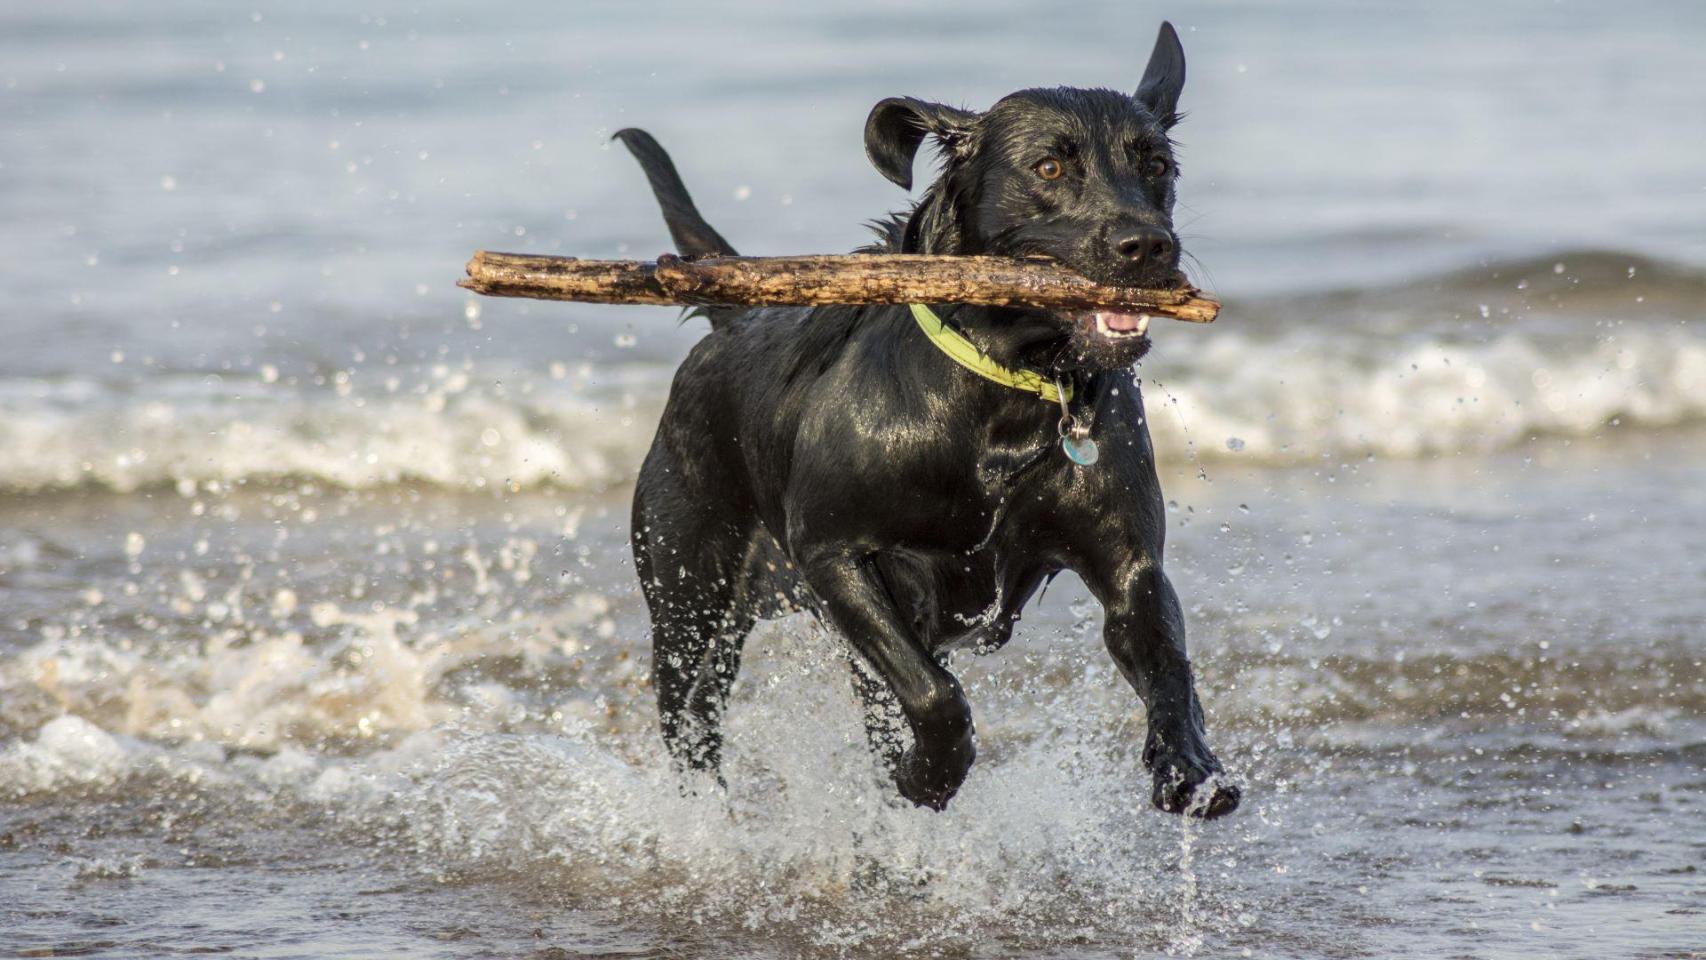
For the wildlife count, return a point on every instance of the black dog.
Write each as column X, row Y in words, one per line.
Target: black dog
column 834, row 459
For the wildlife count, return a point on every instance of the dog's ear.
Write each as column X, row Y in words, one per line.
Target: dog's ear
column 1164, row 77
column 897, row 126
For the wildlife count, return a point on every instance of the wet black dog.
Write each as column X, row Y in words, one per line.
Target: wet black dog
column 834, row 459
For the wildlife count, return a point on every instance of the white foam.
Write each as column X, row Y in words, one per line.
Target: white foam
column 67, row 750
column 256, row 687
column 1296, row 393
column 1305, row 393
column 1051, row 834
column 1051, row 837
column 179, row 431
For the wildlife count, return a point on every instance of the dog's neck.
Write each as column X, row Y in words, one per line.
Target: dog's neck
column 1011, row 337
column 1017, row 339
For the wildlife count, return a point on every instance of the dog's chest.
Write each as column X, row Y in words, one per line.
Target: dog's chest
column 956, row 600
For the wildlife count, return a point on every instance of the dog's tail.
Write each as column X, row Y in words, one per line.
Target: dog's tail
column 692, row 235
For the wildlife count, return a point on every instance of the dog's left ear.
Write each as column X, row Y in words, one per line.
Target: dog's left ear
column 897, row 126
column 1164, row 77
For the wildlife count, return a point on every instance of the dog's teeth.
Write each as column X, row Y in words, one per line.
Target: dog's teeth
column 1128, row 325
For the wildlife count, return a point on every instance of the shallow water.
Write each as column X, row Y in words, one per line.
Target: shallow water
column 318, row 632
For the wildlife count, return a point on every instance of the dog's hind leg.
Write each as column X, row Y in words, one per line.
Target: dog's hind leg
column 691, row 568
column 694, row 664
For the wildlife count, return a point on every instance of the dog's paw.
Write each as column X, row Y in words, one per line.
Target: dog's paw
column 1195, row 789
column 931, row 786
column 934, row 796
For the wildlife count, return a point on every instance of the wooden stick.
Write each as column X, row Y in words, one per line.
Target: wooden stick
column 820, row 280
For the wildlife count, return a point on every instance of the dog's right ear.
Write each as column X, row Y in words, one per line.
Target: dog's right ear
column 897, row 126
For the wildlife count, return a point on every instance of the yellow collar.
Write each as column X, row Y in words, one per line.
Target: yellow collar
column 966, row 354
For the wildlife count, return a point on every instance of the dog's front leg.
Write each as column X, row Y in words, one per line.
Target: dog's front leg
column 853, row 599
column 1145, row 633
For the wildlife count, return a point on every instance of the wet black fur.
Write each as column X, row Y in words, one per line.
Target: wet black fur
column 832, row 459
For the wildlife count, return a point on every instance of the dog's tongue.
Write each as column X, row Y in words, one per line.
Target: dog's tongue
column 1123, row 322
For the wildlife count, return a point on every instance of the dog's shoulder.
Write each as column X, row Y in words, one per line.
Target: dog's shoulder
column 796, row 347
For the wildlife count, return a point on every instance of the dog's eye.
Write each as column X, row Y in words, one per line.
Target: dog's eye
column 1155, row 167
column 1049, row 169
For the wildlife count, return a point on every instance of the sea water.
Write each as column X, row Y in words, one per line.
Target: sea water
column 318, row 634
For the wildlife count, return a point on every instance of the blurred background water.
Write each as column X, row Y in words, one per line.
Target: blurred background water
column 316, row 630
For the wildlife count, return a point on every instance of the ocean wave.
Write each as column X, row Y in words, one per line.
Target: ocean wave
column 1468, row 362
column 190, row 431
column 566, row 787
column 573, row 792
column 1608, row 283
column 1302, row 393
column 1582, row 280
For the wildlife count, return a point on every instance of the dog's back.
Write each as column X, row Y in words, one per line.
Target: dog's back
column 739, row 398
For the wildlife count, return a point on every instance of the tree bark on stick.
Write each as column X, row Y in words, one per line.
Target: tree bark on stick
column 822, row 280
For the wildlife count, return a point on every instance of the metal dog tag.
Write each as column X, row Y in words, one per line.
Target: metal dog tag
column 1074, row 436
column 1081, row 451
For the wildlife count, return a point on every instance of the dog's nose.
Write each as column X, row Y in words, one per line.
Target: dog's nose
column 1146, row 245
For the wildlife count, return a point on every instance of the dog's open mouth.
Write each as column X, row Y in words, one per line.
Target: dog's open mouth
column 1107, row 339
column 1118, row 326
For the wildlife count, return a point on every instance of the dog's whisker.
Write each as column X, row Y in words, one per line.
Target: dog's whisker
column 1207, row 281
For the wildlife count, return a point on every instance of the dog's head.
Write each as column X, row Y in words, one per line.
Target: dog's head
column 1083, row 176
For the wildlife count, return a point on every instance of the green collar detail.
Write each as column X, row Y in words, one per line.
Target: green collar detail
column 966, row 354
